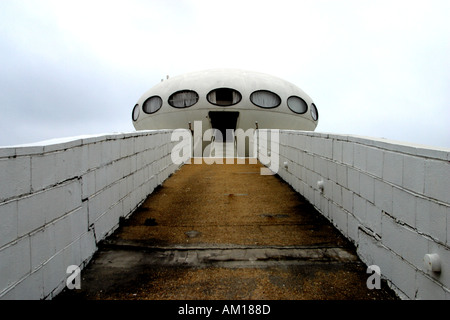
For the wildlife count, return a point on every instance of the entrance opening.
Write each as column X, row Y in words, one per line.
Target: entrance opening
column 221, row 121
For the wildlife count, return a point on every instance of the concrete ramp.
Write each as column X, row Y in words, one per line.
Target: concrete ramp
column 223, row 231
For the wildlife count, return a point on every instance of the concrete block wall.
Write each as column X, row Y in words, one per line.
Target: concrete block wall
column 391, row 199
column 59, row 199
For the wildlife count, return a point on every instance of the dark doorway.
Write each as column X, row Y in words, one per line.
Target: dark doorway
column 222, row 120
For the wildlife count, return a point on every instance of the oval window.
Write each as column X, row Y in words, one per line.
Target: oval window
column 297, row 104
column 135, row 113
column 265, row 99
column 152, row 104
column 314, row 112
column 224, row 97
column 183, row 99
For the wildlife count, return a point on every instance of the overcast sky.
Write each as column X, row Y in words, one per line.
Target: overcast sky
column 373, row 68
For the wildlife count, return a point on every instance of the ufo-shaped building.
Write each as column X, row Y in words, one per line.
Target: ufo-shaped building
column 225, row 99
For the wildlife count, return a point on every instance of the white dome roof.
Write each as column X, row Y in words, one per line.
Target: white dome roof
column 243, row 84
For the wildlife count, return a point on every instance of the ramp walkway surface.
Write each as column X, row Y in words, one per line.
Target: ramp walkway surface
column 225, row 232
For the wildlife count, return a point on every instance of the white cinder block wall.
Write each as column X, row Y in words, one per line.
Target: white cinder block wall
column 392, row 200
column 57, row 201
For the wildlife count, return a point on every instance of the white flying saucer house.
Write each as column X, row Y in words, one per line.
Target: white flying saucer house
column 225, row 99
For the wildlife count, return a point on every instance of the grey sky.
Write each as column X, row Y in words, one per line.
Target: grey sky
column 373, row 68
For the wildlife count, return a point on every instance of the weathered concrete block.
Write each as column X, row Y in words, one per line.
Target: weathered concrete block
column 126, row 147
column 374, row 162
column 323, row 204
column 444, row 254
column 340, row 219
column 328, row 151
column 431, row 218
column 43, row 246
column 71, row 256
column 6, row 152
column 348, row 153
column 283, row 138
column 88, row 245
column 114, row 149
column 56, row 167
column 106, row 223
column 46, row 170
column 414, row 173
column 70, row 228
column 290, row 140
column 29, row 288
column 373, row 252
column 94, row 155
column 296, row 168
column 299, row 157
column 359, row 208
column 373, row 218
column 54, row 274
column 101, row 178
column 404, row 241
column 102, row 201
column 126, row 165
column 133, row 163
column 321, row 166
column 393, row 167
column 437, row 180
column 336, row 193
column 317, row 199
column 88, row 184
column 8, row 222
column 404, row 206
column 308, row 161
column 337, row 150
column 429, row 289
column 392, row 267
column 360, row 156
column 15, row 177
column 14, row 262
column 402, row 273
column 312, row 178
column 322, row 147
column 353, row 180
column 332, row 171
column 367, row 187
column 308, row 144
column 352, row 228
column 139, row 178
column 448, row 230
column 114, row 172
column 347, row 200
column 106, row 152
column 299, row 142
column 47, row 241
column 45, row 206
column 31, row 212
column 70, row 194
column 127, row 205
column 151, row 141
column 342, row 175
column 383, row 196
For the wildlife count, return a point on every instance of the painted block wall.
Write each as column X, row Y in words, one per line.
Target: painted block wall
column 391, row 199
column 58, row 200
